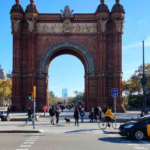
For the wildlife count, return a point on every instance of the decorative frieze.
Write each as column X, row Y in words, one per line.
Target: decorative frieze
column 67, row 26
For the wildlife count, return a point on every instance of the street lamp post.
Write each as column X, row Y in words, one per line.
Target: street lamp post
column 143, row 82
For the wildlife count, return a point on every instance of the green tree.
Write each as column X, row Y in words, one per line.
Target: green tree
column 132, row 88
column 5, row 90
column 52, row 99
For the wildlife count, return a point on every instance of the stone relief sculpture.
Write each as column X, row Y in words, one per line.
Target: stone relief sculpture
column 31, row 25
column 67, row 13
column 67, row 26
column 103, row 25
column 16, row 24
column 119, row 25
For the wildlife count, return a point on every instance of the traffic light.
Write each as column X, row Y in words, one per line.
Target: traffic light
column 30, row 96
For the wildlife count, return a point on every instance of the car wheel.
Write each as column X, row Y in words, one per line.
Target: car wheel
column 139, row 135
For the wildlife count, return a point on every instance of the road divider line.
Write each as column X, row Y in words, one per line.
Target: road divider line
column 28, row 143
column 25, row 146
column 31, row 140
column 140, row 148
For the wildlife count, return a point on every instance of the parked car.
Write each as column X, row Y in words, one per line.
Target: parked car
column 138, row 129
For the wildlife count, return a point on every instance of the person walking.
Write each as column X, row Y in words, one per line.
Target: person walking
column 76, row 116
column 57, row 115
column 44, row 109
column 91, row 114
column 82, row 114
column 8, row 111
column 99, row 113
column 52, row 114
column 96, row 114
column 29, row 115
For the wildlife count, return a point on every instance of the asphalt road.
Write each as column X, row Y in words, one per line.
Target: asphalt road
column 69, row 142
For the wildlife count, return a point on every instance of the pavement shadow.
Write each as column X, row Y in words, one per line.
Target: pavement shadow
column 121, row 140
column 80, row 131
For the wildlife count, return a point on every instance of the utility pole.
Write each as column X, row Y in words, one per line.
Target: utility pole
column 143, row 82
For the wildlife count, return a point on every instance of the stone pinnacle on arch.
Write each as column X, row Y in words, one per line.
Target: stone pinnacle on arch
column 102, row 7
column 31, row 1
column 102, row 1
column 17, row 1
column 117, row 1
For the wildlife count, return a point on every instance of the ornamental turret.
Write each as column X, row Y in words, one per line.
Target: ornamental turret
column 31, row 15
column 16, row 15
column 102, row 14
column 118, row 15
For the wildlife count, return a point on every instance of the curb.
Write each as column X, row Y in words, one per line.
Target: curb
column 21, row 131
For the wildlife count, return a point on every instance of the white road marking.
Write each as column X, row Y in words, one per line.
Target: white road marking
column 21, row 149
column 31, row 140
column 28, row 143
column 132, row 144
column 37, row 134
column 35, row 138
column 25, row 146
column 140, row 148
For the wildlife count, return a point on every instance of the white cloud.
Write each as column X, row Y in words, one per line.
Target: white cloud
column 137, row 44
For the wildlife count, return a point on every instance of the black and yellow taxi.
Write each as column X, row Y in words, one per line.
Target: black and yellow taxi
column 138, row 129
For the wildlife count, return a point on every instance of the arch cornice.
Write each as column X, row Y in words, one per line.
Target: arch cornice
column 67, row 44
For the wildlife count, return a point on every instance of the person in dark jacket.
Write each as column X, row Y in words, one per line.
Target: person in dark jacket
column 76, row 116
column 29, row 115
column 8, row 111
column 52, row 115
column 57, row 115
column 91, row 114
column 96, row 112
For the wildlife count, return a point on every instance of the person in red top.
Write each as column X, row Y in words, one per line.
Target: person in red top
column 44, row 109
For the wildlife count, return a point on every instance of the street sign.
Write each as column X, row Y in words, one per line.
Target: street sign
column 114, row 92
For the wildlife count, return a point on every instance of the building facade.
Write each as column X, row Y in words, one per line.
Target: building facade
column 96, row 39
column 64, row 93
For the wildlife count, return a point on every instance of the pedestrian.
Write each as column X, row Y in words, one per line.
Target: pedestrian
column 29, row 114
column 100, row 113
column 92, row 114
column 8, row 111
column 57, row 115
column 82, row 114
column 44, row 109
column 96, row 113
column 76, row 116
column 52, row 115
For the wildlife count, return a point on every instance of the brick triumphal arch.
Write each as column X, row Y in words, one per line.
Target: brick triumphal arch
column 96, row 39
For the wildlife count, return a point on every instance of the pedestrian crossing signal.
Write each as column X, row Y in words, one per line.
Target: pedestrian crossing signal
column 30, row 96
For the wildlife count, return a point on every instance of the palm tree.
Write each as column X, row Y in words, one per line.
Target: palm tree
column 76, row 92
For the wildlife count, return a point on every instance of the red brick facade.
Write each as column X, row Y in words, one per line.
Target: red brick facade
column 96, row 39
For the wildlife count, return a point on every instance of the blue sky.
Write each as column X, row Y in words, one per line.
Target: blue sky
column 70, row 74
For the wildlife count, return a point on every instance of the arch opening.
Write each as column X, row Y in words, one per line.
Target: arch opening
column 65, row 72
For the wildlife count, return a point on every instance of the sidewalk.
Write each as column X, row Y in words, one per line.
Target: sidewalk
column 43, row 125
